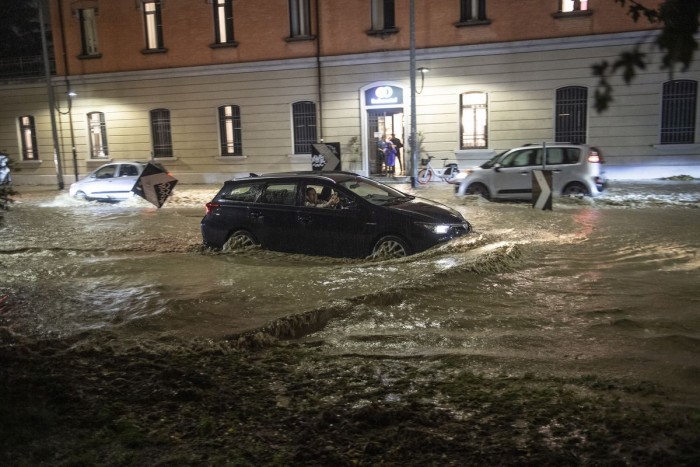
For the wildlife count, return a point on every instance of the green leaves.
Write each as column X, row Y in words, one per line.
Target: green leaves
column 676, row 40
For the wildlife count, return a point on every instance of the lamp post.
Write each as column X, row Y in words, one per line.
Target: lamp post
column 412, row 68
column 71, row 95
column 52, row 100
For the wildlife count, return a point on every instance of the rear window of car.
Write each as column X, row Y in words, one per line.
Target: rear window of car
column 246, row 193
column 279, row 193
column 556, row 156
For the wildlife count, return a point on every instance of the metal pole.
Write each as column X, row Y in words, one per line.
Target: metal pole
column 412, row 65
column 51, row 97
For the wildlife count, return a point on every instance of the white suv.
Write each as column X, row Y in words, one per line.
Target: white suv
column 577, row 170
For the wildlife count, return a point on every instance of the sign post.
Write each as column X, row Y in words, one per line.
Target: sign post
column 154, row 185
column 325, row 156
column 542, row 189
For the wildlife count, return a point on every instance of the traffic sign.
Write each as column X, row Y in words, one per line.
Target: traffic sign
column 542, row 189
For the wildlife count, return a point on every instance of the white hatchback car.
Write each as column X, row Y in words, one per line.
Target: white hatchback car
column 112, row 181
column 577, row 170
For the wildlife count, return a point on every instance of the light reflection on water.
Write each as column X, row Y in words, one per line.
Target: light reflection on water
column 607, row 285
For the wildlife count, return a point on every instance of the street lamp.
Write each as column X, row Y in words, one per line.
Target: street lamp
column 423, row 70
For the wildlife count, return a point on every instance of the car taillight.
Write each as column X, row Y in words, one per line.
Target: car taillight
column 595, row 156
column 211, row 206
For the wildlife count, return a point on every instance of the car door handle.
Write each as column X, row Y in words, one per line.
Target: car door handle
column 304, row 219
column 255, row 215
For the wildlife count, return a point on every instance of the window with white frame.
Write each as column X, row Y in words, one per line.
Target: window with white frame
column 161, row 133
column 567, row 6
column 223, row 21
column 28, row 138
column 304, row 123
column 153, row 24
column 230, row 130
column 299, row 18
column 571, row 113
column 472, row 10
column 383, row 16
column 474, row 120
column 88, row 31
column 98, row 135
column 678, row 111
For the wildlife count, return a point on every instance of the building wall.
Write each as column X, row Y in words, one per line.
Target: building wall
column 261, row 30
column 519, row 77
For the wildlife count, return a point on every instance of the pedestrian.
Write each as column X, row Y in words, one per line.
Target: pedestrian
column 390, row 156
column 398, row 145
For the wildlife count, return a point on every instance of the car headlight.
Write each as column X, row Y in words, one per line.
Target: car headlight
column 462, row 175
column 439, row 229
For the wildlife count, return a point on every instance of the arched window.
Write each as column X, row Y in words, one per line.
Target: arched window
column 678, row 110
column 160, row 132
column 474, row 120
column 571, row 115
column 98, row 135
column 28, row 138
column 304, row 122
column 230, row 130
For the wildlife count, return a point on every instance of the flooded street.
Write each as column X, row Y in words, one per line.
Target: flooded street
column 607, row 286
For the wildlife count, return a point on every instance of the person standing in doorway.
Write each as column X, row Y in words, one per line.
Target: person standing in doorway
column 390, row 155
column 397, row 145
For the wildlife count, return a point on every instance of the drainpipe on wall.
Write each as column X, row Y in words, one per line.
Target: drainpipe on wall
column 413, row 140
column 318, row 72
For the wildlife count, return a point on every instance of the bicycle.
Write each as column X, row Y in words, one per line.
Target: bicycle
column 446, row 173
column 5, row 183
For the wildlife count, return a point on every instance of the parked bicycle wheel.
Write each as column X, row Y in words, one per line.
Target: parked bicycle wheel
column 424, row 176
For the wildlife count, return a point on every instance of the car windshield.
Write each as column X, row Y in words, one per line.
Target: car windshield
column 491, row 162
column 375, row 193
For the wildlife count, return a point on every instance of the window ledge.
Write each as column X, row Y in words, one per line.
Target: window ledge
column 572, row 14
column 153, row 51
column 224, row 45
column 89, row 56
column 300, row 38
column 687, row 147
column 28, row 163
column 473, row 22
column 300, row 158
column 164, row 158
column 231, row 159
column 382, row 32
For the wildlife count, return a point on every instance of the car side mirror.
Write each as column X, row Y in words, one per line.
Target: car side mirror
column 497, row 167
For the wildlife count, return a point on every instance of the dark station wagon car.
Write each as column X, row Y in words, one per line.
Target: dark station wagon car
column 350, row 216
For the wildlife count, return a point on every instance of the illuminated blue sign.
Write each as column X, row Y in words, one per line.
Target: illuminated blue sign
column 384, row 96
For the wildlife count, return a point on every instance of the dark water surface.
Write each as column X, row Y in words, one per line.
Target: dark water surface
column 608, row 286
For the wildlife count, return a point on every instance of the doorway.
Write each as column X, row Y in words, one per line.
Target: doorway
column 383, row 122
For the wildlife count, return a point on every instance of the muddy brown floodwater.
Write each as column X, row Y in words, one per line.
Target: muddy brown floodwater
column 606, row 287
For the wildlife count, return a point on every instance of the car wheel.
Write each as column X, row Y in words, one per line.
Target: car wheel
column 573, row 189
column 390, row 247
column 479, row 189
column 240, row 239
column 424, row 176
